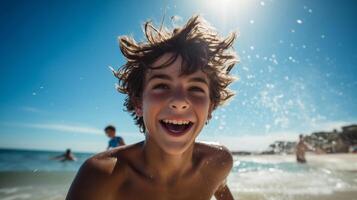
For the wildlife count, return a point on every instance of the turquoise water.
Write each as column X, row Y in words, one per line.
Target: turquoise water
column 250, row 166
column 33, row 175
column 26, row 160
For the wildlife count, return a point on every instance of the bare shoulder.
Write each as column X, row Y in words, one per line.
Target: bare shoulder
column 100, row 174
column 218, row 158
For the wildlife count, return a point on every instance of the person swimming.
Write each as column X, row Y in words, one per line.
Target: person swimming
column 67, row 156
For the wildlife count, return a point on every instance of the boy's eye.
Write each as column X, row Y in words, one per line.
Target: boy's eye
column 161, row 86
column 196, row 89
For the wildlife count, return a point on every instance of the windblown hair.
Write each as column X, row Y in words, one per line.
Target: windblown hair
column 200, row 47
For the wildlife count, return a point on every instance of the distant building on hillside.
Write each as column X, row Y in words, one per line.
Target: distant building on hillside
column 334, row 142
column 279, row 147
column 349, row 135
column 329, row 142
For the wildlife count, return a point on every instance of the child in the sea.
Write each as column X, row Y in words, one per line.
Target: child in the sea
column 173, row 83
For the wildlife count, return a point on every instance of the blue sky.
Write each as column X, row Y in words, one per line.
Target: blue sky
column 297, row 69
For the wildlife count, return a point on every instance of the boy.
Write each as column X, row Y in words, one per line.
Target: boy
column 173, row 82
column 114, row 141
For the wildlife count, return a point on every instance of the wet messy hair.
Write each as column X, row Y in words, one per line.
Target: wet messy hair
column 200, row 48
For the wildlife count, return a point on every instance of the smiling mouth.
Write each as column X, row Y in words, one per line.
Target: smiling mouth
column 176, row 128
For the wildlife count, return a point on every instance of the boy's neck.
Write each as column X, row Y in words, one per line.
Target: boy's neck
column 165, row 167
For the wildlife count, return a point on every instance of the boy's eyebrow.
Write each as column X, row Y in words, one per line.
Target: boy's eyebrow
column 160, row 76
column 198, row 79
column 167, row 77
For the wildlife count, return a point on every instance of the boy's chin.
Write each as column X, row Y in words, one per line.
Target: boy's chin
column 175, row 149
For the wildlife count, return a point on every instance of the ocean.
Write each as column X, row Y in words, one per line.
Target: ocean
column 33, row 175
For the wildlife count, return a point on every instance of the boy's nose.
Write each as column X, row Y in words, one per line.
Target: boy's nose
column 178, row 100
column 179, row 104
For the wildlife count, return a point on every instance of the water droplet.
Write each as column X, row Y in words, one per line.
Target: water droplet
column 299, row 21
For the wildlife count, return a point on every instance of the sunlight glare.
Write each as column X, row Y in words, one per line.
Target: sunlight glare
column 224, row 7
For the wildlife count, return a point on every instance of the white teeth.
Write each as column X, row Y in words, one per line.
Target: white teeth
column 176, row 121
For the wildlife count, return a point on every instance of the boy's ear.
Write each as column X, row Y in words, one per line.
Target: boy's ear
column 138, row 111
column 138, row 108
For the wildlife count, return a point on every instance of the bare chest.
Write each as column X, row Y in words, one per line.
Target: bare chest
column 197, row 188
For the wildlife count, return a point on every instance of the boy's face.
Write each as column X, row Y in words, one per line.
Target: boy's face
column 110, row 133
column 174, row 107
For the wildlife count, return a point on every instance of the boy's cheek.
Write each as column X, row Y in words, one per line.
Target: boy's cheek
column 200, row 101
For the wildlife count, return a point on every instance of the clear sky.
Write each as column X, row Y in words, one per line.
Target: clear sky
column 297, row 70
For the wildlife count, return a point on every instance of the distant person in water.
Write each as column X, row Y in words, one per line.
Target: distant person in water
column 67, row 156
column 114, row 141
column 301, row 148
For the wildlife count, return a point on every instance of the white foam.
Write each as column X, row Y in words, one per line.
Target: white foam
column 273, row 181
column 8, row 190
column 271, row 175
column 18, row 196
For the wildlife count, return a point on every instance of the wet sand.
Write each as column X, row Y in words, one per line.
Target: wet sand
column 347, row 195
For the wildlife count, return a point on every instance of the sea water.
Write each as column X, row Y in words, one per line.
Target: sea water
column 34, row 175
